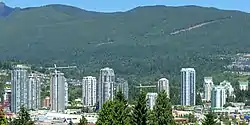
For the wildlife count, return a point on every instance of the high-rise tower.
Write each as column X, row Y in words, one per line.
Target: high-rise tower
column 218, row 99
column 106, row 85
column 34, row 89
column 208, row 85
column 188, row 92
column 122, row 85
column 163, row 85
column 19, row 87
column 89, row 87
column 57, row 92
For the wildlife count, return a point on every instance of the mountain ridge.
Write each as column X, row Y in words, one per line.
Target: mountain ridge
column 135, row 42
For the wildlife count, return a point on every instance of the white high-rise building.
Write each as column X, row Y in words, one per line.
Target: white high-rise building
column 122, row 85
column 66, row 93
column 89, row 90
column 163, row 85
column 106, row 85
column 151, row 99
column 229, row 88
column 57, row 92
column 218, row 99
column 34, row 89
column 19, row 87
column 188, row 91
column 208, row 85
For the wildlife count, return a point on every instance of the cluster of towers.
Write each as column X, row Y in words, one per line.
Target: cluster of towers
column 98, row 92
column 25, row 89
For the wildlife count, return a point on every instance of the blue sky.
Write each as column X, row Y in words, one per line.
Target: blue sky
column 123, row 5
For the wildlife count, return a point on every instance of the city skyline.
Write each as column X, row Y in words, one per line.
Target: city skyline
column 114, row 6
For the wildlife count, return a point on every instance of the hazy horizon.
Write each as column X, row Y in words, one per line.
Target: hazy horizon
column 114, row 6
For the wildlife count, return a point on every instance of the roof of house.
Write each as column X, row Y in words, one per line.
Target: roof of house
column 243, row 83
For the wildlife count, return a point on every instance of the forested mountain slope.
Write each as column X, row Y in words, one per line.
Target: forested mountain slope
column 136, row 42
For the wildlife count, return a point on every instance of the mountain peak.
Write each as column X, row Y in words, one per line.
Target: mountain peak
column 5, row 10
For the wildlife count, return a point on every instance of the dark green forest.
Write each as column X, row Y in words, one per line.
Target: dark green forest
column 137, row 43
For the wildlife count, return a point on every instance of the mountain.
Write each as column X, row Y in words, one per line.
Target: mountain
column 5, row 10
column 150, row 41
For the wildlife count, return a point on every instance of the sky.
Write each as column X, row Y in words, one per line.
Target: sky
column 124, row 5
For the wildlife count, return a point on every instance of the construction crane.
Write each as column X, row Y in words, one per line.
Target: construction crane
column 146, row 86
column 56, row 68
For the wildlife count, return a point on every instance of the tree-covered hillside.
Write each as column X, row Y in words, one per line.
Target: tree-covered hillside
column 137, row 43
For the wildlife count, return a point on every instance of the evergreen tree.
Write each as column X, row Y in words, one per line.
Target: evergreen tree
column 70, row 122
column 198, row 99
column 163, row 110
column 151, row 118
column 83, row 121
column 23, row 118
column 114, row 112
column 105, row 114
column 210, row 119
column 139, row 112
column 191, row 118
column 3, row 119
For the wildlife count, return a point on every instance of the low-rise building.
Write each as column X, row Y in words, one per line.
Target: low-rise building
column 243, row 85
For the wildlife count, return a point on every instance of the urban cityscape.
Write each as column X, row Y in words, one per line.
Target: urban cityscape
column 25, row 90
column 124, row 63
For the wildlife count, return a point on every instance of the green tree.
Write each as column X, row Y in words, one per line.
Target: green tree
column 210, row 119
column 105, row 114
column 121, row 110
column 115, row 112
column 163, row 110
column 191, row 118
column 23, row 118
column 198, row 99
column 139, row 112
column 83, row 121
column 3, row 119
column 70, row 122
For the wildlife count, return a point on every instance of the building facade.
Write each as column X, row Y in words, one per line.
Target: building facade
column 106, row 85
column 163, row 85
column 208, row 85
column 19, row 87
column 89, row 87
column 229, row 88
column 34, row 90
column 218, row 99
column 243, row 85
column 151, row 99
column 66, row 93
column 122, row 85
column 188, row 90
column 57, row 92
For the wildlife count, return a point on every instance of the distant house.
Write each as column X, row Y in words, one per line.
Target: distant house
column 243, row 85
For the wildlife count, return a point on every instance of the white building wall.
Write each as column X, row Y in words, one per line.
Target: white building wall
column 19, row 87
column 163, row 85
column 218, row 97
column 89, row 87
column 151, row 99
column 106, row 85
column 34, row 89
column 208, row 84
column 188, row 89
column 57, row 92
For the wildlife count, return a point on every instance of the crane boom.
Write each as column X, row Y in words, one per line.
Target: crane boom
column 148, row 86
column 55, row 67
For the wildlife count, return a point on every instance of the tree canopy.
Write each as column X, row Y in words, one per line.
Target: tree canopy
column 210, row 119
